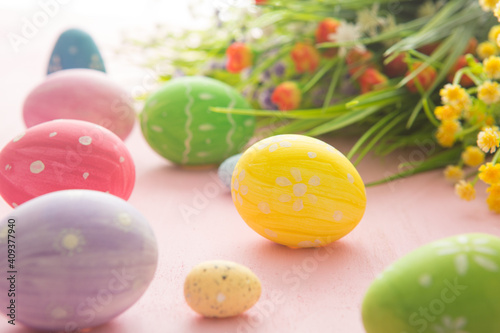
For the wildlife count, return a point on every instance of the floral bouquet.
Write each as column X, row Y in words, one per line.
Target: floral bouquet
column 396, row 73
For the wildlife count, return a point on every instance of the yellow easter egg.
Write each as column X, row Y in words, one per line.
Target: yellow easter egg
column 298, row 191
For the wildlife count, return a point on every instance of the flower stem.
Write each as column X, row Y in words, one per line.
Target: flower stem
column 323, row 70
column 495, row 157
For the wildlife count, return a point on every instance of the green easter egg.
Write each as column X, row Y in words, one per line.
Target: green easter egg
column 448, row 286
column 178, row 124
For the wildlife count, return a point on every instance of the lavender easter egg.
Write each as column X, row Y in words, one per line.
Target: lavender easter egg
column 83, row 94
column 178, row 124
column 65, row 154
column 79, row 258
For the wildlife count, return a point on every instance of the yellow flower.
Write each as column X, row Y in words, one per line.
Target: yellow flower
column 494, row 198
column 446, row 112
column 486, row 49
column 490, row 173
column 489, row 139
column 488, row 5
column 453, row 174
column 489, row 92
column 455, row 96
column 446, row 132
column 465, row 191
column 473, row 156
column 496, row 11
column 492, row 67
column 493, row 33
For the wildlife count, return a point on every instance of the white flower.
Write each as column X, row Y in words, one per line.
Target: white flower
column 448, row 325
column 346, row 32
column 368, row 20
column 465, row 249
column 429, row 8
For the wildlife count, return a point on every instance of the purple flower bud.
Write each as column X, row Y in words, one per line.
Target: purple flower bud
column 279, row 69
column 264, row 99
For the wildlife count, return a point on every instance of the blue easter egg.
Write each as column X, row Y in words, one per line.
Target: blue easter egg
column 226, row 169
column 75, row 49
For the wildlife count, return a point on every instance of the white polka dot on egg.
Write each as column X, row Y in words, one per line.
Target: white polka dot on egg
column 85, row 140
column 37, row 167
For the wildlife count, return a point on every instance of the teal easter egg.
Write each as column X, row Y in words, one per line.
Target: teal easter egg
column 448, row 286
column 75, row 49
column 178, row 124
column 226, row 170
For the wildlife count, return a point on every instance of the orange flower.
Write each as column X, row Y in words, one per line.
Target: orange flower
column 425, row 78
column 465, row 81
column 239, row 57
column 358, row 60
column 372, row 80
column 287, row 96
column 396, row 67
column 305, row 57
column 325, row 28
column 260, row 2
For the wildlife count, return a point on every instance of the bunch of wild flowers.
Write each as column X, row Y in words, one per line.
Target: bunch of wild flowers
column 469, row 114
column 398, row 72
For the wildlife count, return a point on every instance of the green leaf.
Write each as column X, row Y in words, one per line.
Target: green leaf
column 437, row 161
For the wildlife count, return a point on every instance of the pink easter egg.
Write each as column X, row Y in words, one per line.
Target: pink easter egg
column 82, row 94
column 65, row 154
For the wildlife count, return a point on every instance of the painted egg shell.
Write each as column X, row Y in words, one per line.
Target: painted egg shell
column 75, row 49
column 83, row 94
column 451, row 285
column 298, row 191
column 65, row 154
column 178, row 124
column 226, row 169
column 82, row 258
column 221, row 289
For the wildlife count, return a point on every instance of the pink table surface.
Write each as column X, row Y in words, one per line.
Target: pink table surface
column 303, row 290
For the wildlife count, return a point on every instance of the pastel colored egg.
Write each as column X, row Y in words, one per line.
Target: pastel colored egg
column 221, row 289
column 65, row 154
column 75, row 49
column 298, row 191
column 450, row 285
column 226, row 169
column 79, row 258
column 178, row 124
column 82, row 94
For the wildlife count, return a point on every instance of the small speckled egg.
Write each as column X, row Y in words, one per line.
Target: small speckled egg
column 83, row 94
column 81, row 258
column 65, row 154
column 221, row 289
column 298, row 191
column 450, row 285
column 226, row 169
column 178, row 124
